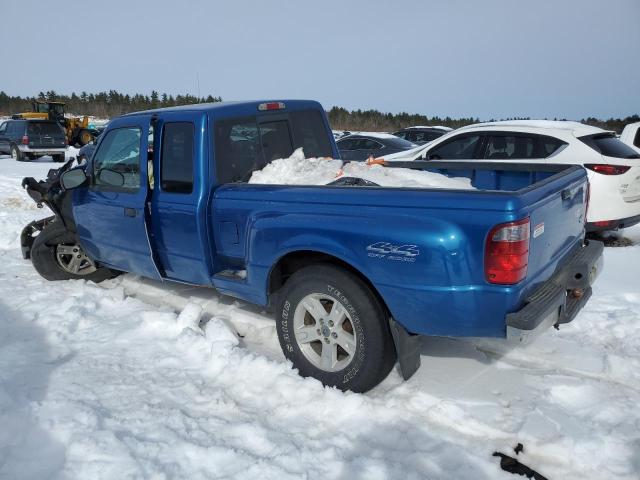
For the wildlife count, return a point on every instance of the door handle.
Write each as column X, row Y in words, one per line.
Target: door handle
column 130, row 212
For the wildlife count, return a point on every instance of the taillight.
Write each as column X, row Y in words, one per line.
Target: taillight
column 605, row 223
column 607, row 169
column 271, row 106
column 506, row 254
column 25, row 139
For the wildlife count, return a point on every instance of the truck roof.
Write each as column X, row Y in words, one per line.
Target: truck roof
column 240, row 106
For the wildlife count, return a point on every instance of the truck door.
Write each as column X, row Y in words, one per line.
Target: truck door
column 111, row 213
column 178, row 198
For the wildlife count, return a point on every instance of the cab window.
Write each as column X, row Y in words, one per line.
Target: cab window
column 276, row 140
column 237, row 147
column 177, row 157
column 310, row 133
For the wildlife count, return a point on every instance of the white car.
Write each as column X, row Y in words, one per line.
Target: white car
column 612, row 166
column 631, row 135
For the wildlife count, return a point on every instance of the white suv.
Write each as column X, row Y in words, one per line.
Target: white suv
column 612, row 166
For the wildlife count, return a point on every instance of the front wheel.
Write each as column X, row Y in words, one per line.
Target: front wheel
column 57, row 255
column 333, row 328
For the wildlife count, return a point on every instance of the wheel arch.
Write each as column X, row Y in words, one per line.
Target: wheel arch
column 295, row 260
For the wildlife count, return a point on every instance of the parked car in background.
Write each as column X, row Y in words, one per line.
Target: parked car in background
column 360, row 146
column 422, row 134
column 30, row 139
column 337, row 134
column 631, row 135
column 613, row 167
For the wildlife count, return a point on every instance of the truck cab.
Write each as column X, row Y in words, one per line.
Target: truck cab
column 145, row 209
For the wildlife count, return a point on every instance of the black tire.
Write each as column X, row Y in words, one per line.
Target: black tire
column 374, row 354
column 43, row 256
column 84, row 137
column 16, row 154
column 58, row 158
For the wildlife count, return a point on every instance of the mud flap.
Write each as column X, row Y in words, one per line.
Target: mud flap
column 407, row 349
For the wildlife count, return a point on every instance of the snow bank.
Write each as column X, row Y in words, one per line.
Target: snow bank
column 298, row 170
column 140, row 379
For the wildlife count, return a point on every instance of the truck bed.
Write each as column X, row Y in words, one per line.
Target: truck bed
column 441, row 290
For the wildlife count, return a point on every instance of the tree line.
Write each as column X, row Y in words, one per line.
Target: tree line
column 113, row 103
column 375, row 121
column 102, row 104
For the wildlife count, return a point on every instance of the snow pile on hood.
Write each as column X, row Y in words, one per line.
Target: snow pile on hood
column 298, row 170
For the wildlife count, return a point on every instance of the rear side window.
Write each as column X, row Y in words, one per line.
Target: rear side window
column 549, row 145
column 509, row 147
column 399, row 143
column 309, row 132
column 423, row 136
column 237, row 147
column 366, row 144
column 176, row 173
column 608, row 145
column 636, row 142
column 44, row 128
column 403, row 135
column 346, row 144
column 459, row 148
column 16, row 128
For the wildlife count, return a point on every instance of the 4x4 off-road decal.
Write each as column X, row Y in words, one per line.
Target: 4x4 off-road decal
column 389, row 251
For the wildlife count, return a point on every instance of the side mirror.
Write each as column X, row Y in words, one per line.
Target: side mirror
column 111, row 177
column 73, row 179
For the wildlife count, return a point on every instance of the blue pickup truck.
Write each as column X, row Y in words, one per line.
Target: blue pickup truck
column 354, row 272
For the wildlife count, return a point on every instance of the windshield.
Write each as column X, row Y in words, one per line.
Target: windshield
column 610, row 146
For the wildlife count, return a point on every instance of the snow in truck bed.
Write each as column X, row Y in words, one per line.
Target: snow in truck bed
column 144, row 380
column 298, row 170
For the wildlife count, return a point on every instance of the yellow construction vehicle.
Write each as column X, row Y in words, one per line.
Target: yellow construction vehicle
column 77, row 129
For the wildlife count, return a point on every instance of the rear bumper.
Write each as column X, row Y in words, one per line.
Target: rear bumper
column 559, row 299
column 612, row 224
column 43, row 150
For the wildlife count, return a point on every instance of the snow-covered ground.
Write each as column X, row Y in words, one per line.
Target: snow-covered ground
column 136, row 379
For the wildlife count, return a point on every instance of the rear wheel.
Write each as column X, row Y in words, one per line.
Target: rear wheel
column 58, row 158
column 333, row 328
column 57, row 255
column 16, row 154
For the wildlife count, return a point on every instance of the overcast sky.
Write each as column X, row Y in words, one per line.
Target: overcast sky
column 487, row 59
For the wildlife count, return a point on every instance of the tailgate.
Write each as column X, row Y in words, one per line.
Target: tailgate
column 45, row 135
column 557, row 226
